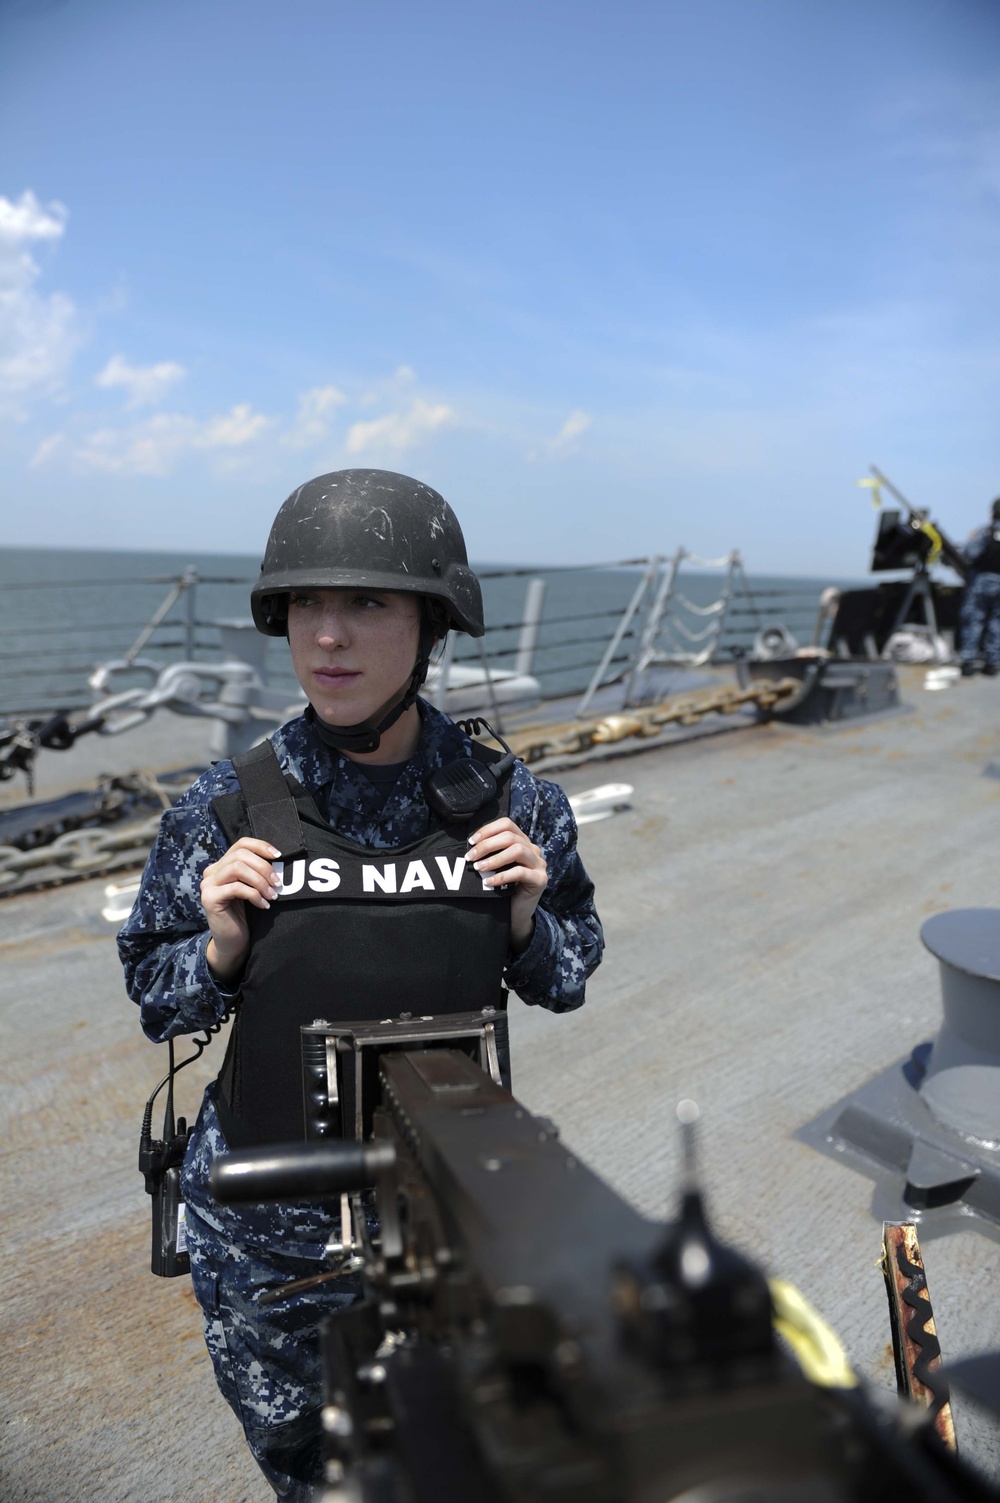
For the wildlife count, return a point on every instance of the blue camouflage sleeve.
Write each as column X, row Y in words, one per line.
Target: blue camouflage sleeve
column 568, row 941
column 163, row 941
column 976, row 544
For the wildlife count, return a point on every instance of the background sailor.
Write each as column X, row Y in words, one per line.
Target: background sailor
column 980, row 616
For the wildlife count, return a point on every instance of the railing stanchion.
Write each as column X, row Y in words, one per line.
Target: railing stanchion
column 652, row 627
column 649, row 574
column 439, row 694
column 162, row 610
column 534, row 601
column 490, row 690
column 190, row 616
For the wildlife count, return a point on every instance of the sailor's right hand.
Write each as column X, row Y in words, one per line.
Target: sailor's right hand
column 243, row 875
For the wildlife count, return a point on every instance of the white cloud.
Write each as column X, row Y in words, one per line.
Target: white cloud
column 564, row 443
column 38, row 333
column 239, row 426
column 315, row 413
column 149, row 448
column 27, row 220
column 399, row 430
column 145, row 385
column 578, row 422
column 155, row 445
column 46, row 449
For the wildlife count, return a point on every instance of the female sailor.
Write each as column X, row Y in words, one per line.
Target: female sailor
column 357, row 909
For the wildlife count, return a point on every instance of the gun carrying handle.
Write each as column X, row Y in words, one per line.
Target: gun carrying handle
column 299, row 1171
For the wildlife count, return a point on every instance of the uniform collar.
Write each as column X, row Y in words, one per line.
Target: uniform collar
column 317, row 767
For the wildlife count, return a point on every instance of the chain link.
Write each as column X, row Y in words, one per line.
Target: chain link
column 92, row 849
column 77, row 853
column 18, row 744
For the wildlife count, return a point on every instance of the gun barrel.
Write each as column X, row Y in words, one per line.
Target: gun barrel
column 299, row 1171
column 897, row 495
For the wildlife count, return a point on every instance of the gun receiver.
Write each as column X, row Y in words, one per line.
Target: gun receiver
column 527, row 1337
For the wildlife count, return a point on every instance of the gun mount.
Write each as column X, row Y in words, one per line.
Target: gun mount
column 913, row 542
column 526, row 1335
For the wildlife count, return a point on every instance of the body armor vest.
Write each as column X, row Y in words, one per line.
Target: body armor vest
column 354, row 934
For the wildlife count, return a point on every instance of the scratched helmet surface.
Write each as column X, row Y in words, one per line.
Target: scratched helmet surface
column 370, row 528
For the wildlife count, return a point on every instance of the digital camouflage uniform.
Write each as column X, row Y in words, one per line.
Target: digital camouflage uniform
column 981, row 606
column 265, row 1356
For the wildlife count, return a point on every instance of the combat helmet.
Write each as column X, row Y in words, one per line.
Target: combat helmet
column 376, row 530
column 369, row 528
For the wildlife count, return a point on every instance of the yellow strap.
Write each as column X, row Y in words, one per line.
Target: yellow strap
column 876, row 489
column 816, row 1345
column 937, row 542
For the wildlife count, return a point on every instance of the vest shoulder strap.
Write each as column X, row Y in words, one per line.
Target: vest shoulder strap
column 269, row 803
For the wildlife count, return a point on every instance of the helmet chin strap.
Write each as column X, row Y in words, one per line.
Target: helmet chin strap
column 367, row 735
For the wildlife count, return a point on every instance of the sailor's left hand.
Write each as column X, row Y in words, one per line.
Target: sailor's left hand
column 504, row 856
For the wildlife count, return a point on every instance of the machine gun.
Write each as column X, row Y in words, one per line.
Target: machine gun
column 912, row 541
column 525, row 1335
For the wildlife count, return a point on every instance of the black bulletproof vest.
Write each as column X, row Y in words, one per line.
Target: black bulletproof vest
column 354, row 934
column 988, row 561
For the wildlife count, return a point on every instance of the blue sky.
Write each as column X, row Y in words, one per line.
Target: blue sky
column 613, row 278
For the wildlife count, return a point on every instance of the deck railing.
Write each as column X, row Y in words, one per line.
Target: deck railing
column 571, row 629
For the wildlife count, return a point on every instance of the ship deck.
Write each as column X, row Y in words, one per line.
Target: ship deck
column 762, row 898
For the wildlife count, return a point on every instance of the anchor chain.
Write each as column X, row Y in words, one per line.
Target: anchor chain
column 76, row 844
column 538, row 744
column 89, row 852
column 915, row 1345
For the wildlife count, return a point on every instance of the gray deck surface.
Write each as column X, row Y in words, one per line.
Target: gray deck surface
column 762, row 900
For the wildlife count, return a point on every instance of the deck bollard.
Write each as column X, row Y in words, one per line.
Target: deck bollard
column 962, row 1085
column 928, row 1127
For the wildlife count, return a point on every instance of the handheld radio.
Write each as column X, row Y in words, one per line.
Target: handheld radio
column 463, row 787
column 160, row 1161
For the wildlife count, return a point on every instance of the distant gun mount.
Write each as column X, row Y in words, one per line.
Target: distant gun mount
column 846, row 671
column 524, row 1334
column 913, row 540
column 909, row 539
